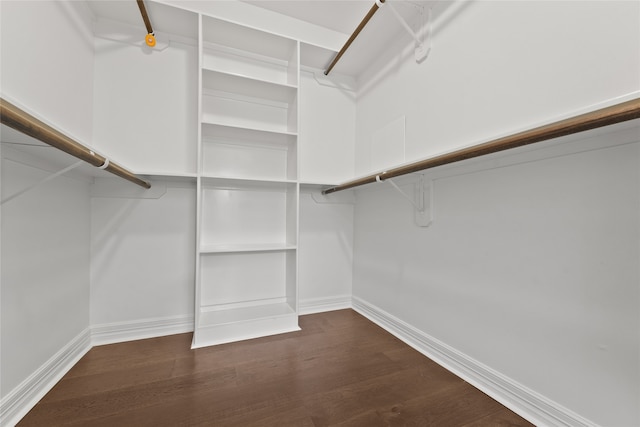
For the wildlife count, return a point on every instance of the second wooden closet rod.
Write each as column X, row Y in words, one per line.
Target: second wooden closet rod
column 624, row 111
column 357, row 31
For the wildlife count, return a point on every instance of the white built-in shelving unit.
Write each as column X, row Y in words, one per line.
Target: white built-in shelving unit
column 247, row 184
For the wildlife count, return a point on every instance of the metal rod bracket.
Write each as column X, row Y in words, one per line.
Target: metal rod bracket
column 422, row 200
column 424, row 197
column 423, row 41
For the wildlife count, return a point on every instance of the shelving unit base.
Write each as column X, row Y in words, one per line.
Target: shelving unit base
column 229, row 325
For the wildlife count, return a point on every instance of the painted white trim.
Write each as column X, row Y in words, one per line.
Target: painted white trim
column 24, row 397
column 320, row 305
column 527, row 403
column 109, row 333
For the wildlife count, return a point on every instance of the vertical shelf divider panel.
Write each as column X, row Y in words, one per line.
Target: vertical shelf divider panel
column 197, row 293
column 247, row 184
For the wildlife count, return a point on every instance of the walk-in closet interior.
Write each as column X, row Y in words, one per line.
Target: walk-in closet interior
column 464, row 174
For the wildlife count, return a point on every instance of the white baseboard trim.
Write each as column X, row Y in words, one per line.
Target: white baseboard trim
column 530, row 405
column 320, row 305
column 109, row 333
column 24, row 397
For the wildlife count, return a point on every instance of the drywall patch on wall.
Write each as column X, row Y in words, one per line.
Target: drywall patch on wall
column 388, row 145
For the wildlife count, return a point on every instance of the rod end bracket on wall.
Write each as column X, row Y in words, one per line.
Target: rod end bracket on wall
column 422, row 200
column 423, row 47
column 422, row 37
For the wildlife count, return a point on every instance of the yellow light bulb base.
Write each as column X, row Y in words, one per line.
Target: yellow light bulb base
column 150, row 40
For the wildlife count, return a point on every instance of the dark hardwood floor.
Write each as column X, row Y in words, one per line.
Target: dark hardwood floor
column 340, row 370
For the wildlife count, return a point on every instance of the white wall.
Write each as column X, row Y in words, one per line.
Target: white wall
column 45, row 269
column 532, row 268
column 327, row 131
column 325, row 254
column 47, row 62
column 326, row 155
column 145, row 106
column 142, row 254
column 143, row 244
column 496, row 67
column 47, row 68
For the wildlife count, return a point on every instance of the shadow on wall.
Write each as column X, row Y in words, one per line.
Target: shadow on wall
column 401, row 49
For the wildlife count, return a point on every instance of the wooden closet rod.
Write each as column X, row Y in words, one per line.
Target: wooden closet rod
column 357, row 31
column 624, row 111
column 22, row 121
column 145, row 16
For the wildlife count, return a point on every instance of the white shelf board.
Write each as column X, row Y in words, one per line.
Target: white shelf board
column 264, row 247
column 243, row 183
column 247, row 86
column 186, row 176
column 318, row 184
column 209, row 316
column 212, row 132
column 250, row 69
column 241, row 129
column 215, row 49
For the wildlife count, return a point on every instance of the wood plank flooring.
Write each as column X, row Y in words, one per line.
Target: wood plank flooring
column 340, row 370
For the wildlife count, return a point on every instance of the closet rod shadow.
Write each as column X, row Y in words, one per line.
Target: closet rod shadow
column 22, row 121
column 355, row 34
column 618, row 113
